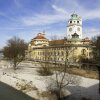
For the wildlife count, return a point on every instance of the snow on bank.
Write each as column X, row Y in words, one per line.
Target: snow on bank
column 87, row 82
column 87, row 88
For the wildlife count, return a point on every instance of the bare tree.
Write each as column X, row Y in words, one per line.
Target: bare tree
column 98, row 47
column 15, row 51
column 45, row 62
column 63, row 79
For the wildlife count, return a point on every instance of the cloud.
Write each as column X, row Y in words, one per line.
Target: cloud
column 12, row 28
column 60, row 10
column 91, row 14
column 56, row 35
column 61, row 13
column 27, row 18
column 40, row 19
column 69, row 6
column 91, row 32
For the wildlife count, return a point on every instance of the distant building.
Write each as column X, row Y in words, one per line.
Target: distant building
column 71, row 48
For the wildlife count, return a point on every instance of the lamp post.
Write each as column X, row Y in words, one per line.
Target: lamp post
column 98, row 66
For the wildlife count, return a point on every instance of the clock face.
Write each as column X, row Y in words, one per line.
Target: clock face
column 78, row 29
column 70, row 29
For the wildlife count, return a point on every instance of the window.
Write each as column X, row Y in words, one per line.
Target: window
column 77, row 21
column 78, row 29
column 62, row 53
column 62, row 59
column 58, row 53
column 83, row 52
column 87, row 54
column 70, row 29
column 90, row 54
column 70, row 21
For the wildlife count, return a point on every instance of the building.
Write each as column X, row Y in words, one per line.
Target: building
column 71, row 48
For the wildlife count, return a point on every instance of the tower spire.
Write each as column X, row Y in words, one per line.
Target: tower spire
column 74, row 12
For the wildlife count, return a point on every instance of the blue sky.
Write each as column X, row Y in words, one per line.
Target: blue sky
column 25, row 18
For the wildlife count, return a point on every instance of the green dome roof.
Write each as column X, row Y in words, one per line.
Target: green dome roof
column 75, row 17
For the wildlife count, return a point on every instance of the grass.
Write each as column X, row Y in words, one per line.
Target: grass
column 88, row 73
column 83, row 72
column 78, row 71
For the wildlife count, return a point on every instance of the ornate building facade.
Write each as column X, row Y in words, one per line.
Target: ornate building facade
column 70, row 48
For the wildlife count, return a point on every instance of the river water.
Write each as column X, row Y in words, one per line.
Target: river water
column 9, row 93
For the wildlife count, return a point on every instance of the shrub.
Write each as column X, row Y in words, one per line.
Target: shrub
column 45, row 71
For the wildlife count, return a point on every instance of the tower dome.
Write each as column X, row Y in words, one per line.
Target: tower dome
column 74, row 16
column 39, row 41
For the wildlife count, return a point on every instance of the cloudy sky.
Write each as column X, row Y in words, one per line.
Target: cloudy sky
column 25, row 18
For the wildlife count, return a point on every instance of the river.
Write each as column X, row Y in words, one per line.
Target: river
column 9, row 93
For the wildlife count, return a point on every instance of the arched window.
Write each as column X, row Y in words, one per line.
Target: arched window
column 90, row 54
column 70, row 21
column 58, row 53
column 62, row 53
column 77, row 21
column 83, row 52
column 62, row 59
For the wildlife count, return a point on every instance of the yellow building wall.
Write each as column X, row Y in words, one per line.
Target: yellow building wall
column 60, row 54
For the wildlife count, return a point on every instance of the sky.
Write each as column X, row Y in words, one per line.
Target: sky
column 26, row 18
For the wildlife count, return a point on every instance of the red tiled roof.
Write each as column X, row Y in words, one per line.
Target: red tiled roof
column 57, row 42
column 39, row 37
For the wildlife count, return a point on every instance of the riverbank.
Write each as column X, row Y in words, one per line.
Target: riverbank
column 27, row 80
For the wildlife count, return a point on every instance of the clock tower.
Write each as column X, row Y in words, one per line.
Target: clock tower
column 74, row 26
